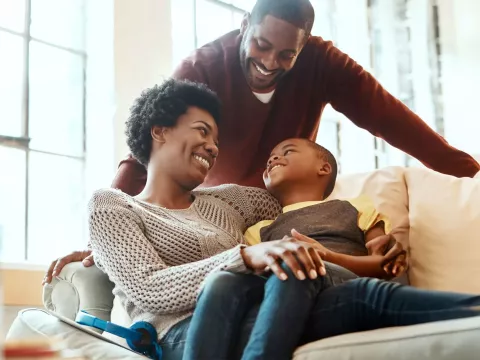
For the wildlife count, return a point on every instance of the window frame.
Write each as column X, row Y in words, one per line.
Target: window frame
column 22, row 142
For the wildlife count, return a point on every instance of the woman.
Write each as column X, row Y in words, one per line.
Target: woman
column 159, row 247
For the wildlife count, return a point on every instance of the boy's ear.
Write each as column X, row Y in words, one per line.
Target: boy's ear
column 158, row 133
column 324, row 169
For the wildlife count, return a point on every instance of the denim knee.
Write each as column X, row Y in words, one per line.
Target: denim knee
column 221, row 282
column 224, row 284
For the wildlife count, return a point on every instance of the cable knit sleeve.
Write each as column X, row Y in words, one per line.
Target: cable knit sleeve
column 253, row 204
column 132, row 263
column 264, row 205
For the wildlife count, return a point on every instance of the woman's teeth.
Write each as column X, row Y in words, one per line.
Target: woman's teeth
column 263, row 72
column 202, row 161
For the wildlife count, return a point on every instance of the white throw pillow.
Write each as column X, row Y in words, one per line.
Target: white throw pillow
column 444, row 231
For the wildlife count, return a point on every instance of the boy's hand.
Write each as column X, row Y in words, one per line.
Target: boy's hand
column 380, row 244
column 300, row 237
column 396, row 261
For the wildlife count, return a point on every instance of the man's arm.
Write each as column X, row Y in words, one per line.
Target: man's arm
column 131, row 176
column 354, row 92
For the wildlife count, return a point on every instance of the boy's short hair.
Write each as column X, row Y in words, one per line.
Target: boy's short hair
column 328, row 157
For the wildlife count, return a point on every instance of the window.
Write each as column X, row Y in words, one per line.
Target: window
column 42, row 128
column 200, row 28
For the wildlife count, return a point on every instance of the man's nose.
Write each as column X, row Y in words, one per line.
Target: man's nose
column 270, row 61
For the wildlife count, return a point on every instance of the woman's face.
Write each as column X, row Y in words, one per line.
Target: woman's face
column 189, row 149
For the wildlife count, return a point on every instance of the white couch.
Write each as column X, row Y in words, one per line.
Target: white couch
column 436, row 217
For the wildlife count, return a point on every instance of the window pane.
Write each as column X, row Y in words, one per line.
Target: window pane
column 12, row 205
column 56, row 100
column 328, row 136
column 246, row 5
column 60, row 22
column 224, row 22
column 12, row 15
column 183, row 29
column 11, row 79
column 56, row 207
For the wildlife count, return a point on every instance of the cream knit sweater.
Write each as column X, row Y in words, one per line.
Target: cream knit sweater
column 158, row 258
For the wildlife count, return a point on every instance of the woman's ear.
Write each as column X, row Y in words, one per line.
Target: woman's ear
column 245, row 23
column 158, row 133
column 324, row 169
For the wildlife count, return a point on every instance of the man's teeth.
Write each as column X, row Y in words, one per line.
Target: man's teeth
column 263, row 72
column 276, row 166
column 202, row 161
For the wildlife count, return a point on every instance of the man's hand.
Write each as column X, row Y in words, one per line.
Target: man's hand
column 86, row 257
column 395, row 261
column 300, row 257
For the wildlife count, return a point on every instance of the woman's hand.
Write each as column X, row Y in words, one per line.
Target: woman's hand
column 86, row 257
column 300, row 257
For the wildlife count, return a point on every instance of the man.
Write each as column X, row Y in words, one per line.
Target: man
column 274, row 80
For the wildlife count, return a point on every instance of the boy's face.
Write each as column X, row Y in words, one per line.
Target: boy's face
column 292, row 162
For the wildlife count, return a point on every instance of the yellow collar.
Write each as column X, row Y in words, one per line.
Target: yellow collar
column 300, row 205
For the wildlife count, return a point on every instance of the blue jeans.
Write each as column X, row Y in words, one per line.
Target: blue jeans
column 295, row 312
column 174, row 342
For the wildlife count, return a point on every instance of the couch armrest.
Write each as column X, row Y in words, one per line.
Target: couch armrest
column 79, row 288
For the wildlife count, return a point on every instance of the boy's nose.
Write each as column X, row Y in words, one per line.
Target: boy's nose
column 273, row 158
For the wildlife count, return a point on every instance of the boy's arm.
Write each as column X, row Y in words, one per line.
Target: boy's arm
column 368, row 266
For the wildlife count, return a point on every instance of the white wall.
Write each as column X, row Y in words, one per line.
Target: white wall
column 142, row 55
column 460, row 36
column 100, row 104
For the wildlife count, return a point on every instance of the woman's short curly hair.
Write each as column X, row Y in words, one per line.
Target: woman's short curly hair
column 162, row 105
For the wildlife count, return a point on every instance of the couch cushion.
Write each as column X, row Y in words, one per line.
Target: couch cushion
column 31, row 323
column 445, row 340
column 444, row 231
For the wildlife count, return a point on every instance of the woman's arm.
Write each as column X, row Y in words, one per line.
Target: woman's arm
column 253, row 204
column 263, row 205
column 132, row 263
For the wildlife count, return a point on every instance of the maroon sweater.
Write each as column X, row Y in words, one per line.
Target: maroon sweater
column 322, row 74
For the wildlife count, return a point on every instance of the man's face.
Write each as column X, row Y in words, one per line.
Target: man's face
column 268, row 51
column 293, row 162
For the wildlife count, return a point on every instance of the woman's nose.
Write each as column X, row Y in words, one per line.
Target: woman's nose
column 212, row 149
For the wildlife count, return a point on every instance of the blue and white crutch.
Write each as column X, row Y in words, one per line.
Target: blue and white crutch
column 141, row 336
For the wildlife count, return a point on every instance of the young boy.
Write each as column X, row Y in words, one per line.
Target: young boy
column 351, row 234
